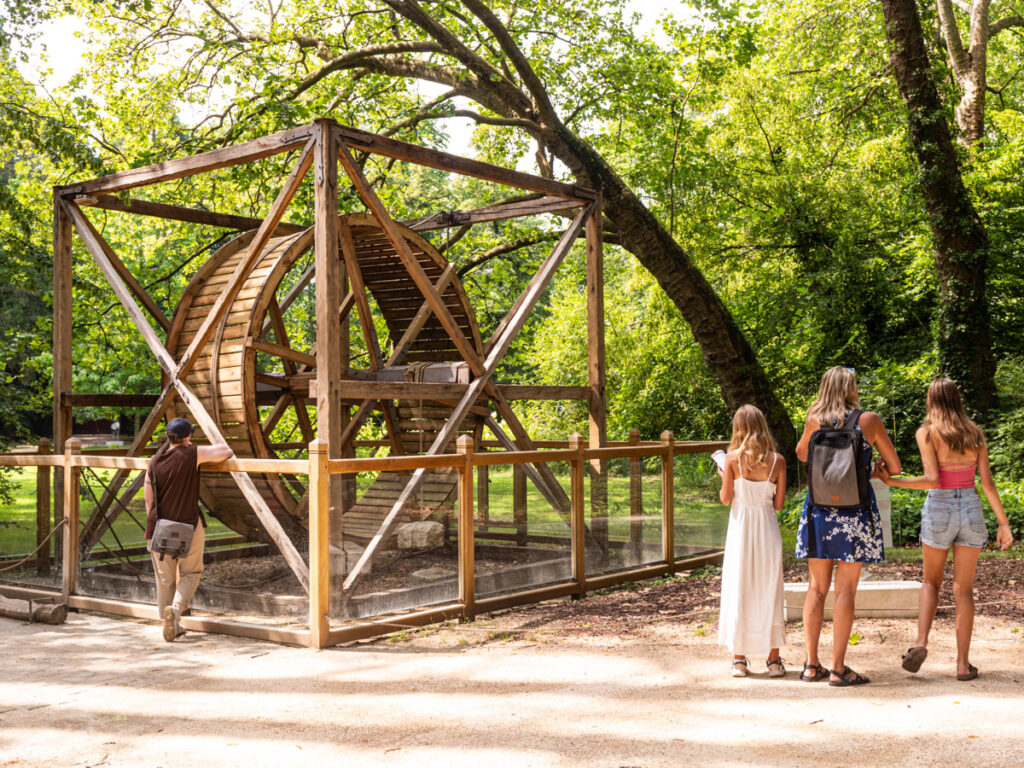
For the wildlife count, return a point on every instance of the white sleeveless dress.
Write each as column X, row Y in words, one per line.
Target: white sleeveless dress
column 752, row 618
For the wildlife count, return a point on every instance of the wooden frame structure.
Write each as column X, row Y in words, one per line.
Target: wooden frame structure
column 320, row 632
column 323, row 147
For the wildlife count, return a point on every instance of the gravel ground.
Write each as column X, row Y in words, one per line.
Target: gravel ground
column 628, row 679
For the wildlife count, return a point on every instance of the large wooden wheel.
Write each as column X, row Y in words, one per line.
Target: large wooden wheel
column 253, row 374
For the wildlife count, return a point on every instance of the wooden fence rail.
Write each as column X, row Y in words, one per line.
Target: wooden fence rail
column 471, row 466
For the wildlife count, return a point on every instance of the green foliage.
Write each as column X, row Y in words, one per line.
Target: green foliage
column 769, row 139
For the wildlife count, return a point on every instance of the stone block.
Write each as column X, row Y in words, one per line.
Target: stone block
column 425, row 534
column 875, row 600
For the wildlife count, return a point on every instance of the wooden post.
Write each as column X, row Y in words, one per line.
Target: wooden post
column 519, row 510
column 668, row 531
column 596, row 375
column 43, row 510
column 483, row 492
column 319, row 549
column 330, row 346
column 577, row 470
column 72, row 448
column 467, row 560
column 636, row 499
column 62, row 319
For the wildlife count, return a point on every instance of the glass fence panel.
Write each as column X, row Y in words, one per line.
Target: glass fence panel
column 701, row 520
column 25, row 522
column 624, row 520
column 523, row 531
column 416, row 563
column 243, row 575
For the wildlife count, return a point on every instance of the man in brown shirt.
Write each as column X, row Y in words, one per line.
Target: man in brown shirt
column 177, row 498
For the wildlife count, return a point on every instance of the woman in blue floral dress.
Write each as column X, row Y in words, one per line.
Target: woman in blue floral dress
column 839, row 539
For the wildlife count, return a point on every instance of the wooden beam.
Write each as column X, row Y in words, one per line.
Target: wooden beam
column 499, row 212
column 69, row 539
column 209, row 427
column 467, row 562
column 189, row 215
column 107, row 400
column 331, row 348
column 257, row 149
column 432, row 158
column 319, row 549
column 285, row 353
column 255, row 251
column 62, row 337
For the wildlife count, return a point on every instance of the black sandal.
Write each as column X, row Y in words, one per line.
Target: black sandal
column 848, row 677
column 819, row 673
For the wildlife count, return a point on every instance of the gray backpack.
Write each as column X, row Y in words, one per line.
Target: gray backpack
column 836, row 473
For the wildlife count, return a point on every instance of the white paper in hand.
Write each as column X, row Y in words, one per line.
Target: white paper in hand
column 719, row 459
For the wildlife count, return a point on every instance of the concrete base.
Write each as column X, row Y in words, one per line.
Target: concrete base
column 875, row 600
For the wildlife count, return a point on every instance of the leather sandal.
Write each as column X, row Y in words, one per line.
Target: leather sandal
column 776, row 668
column 970, row 674
column 819, row 673
column 847, row 677
column 914, row 658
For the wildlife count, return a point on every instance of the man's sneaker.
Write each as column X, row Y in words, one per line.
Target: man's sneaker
column 172, row 629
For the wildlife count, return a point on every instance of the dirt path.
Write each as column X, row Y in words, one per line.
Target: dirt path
column 105, row 692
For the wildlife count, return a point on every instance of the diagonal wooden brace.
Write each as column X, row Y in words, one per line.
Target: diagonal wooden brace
column 532, row 294
column 210, row 428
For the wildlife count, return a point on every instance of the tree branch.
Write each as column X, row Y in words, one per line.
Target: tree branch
column 958, row 56
column 1005, row 23
column 518, row 58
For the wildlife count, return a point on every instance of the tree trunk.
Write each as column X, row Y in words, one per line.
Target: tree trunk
column 727, row 353
column 958, row 236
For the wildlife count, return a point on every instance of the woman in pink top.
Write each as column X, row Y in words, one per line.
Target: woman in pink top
column 952, row 448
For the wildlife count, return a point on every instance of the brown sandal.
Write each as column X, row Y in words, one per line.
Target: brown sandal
column 970, row 674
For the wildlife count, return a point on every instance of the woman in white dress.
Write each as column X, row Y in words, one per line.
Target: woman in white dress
column 752, row 616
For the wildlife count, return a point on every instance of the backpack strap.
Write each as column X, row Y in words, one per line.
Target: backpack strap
column 851, row 419
column 156, row 491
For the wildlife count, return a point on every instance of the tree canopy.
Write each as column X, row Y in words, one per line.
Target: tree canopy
column 767, row 214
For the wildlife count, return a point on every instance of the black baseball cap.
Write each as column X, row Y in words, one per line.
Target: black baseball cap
column 180, row 428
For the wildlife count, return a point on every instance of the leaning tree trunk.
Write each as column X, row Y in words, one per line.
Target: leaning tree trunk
column 958, row 236
column 727, row 353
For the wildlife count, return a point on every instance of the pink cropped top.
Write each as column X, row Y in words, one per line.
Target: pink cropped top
column 957, row 474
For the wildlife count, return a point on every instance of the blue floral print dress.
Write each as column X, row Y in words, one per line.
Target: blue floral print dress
column 849, row 535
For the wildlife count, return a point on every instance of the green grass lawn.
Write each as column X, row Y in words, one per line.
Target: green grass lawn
column 18, row 520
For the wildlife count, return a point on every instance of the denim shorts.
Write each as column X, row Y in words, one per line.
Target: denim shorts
column 953, row 516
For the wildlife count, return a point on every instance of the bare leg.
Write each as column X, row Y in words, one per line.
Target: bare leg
column 847, row 576
column 965, row 563
column 933, row 563
column 773, row 654
column 820, row 572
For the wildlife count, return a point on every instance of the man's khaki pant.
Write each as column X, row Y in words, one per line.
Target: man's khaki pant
column 177, row 580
